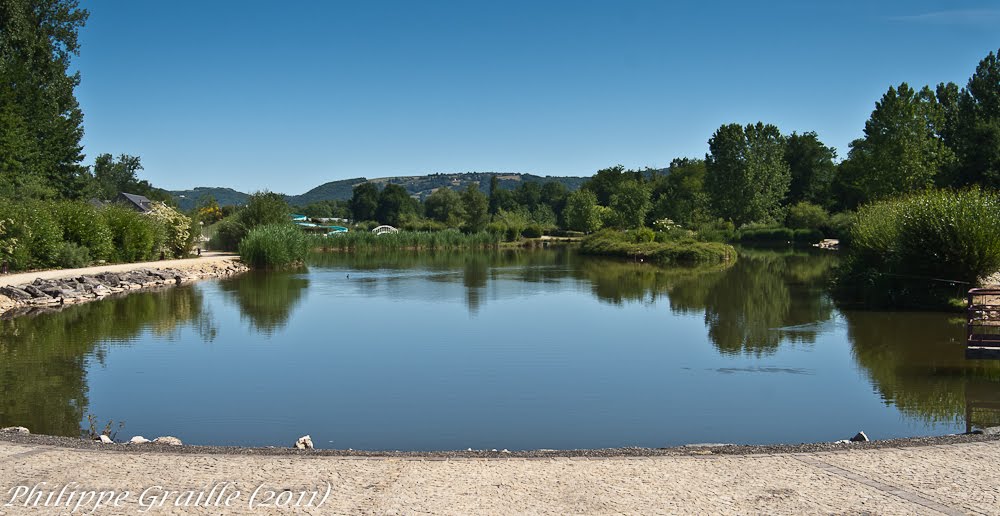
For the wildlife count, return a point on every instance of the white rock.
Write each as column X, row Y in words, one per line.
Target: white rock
column 14, row 430
column 138, row 440
column 304, row 443
column 167, row 439
column 106, row 440
column 505, row 450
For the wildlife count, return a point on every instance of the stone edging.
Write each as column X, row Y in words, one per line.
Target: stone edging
column 16, row 300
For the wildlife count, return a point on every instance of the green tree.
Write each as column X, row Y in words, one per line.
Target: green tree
column 902, row 150
column 445, row 205
column 364, row 201
column 972, row 124
column 476, row 207
column 494, row 194
column 393, row 203
column 812, row 168
column 679, row 195
column 40, row 119
column 582, row 212
column 746, row 175
column 604, row 182
column 529, row 194
column 630, row 202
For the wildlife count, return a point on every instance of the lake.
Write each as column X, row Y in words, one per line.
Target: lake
column 517, row 350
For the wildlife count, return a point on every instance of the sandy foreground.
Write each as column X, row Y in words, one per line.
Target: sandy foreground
column 961, row 478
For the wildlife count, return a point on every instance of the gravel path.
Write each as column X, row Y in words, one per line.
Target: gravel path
column 956, row 478
column 28, row 277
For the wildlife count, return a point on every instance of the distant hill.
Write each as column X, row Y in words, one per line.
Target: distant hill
column 418, row 186
column 188, row 199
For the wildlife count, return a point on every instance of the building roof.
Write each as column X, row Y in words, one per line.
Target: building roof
column 138, row 202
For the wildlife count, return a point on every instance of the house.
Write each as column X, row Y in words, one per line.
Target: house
column 136, row 202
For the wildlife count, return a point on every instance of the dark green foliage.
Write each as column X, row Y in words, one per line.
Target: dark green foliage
column 581, row 212
column 532, row 231
column 40, row 119
column 902, row 150
column 679, row 195
column 112, row 177
column 768, row 234
column 630, row 203
column 394, row 204
column 263, row 209
column 476, row 207
column 675, row 252
column 274, row 246
column 811, row 166
column 364, row 201
column 746, row 173
column 904, row 251
column 72, row 256
column 445, row 206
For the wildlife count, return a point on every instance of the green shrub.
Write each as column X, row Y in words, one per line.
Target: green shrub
column 641, row 235
column 135, row 236
column 178, row 231
column 805, row 215
column 902, row 249
column 72, row 256
column 228, row 235
column 766, row 234
column 82, row 224
column 807, row 236
column 839, row 226
column 532, row 231
column 274, row 246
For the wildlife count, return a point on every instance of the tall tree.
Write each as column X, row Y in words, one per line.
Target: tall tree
column 494, row 194
column 604, row 182
column 974, row 129
column 393, row 203
column 902, row 149
column 476, row 207
column 680, row 194
column 40, row 119
column 445, row 205
column 581, row 212
column 630, row 203
column 745, row 172
column 364, row 201
column 812, row 168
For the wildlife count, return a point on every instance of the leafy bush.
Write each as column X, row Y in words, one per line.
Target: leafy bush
column 839, row 226
column 532, row 231
column 902, row 249
column 82, row 224
column 805, row 215
column 274, row 246
column 72, row 256
column 135, row 236
column 228, row 235
column 766, row 234
column 177, row 234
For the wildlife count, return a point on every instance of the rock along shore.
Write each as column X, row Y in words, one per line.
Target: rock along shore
column 45, row 294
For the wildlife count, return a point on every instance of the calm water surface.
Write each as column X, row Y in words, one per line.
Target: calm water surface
column 517, row 350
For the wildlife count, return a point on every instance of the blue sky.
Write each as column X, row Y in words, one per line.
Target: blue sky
column 286, row 96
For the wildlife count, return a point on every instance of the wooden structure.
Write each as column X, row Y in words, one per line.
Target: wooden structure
column 983, row 324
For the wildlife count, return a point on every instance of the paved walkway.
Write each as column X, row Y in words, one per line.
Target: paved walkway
column 945, row 479
column 27, row 277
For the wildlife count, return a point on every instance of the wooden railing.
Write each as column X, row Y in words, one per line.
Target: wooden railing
column 983, row 324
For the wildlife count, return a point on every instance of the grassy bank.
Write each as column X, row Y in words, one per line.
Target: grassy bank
column 274, row 246
column 656, row 247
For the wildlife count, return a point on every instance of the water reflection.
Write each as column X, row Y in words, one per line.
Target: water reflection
column 266, row 299
column 917, row 363
column 742, row 320
column 43, row 357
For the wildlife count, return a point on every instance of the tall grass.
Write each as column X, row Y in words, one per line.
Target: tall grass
column 639, row 244
column 274, row 246
column 919, row 250
column 447, row 239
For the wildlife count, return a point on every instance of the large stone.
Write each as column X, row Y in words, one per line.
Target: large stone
column 304, row 443
column 15, row 430
column 168, row 439
column 35, row 291
column 138, row 440
column 15, row 293
column 860, row 437
column 105, row 439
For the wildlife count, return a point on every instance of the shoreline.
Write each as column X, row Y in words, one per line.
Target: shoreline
column 30, row 292
column 76, row 443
